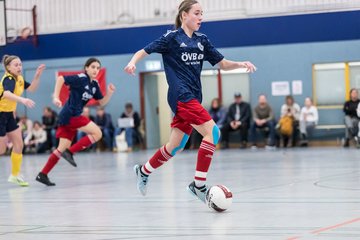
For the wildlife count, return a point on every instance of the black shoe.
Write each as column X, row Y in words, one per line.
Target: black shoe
column 68, row 156
column 347, row 143
column 43, row 178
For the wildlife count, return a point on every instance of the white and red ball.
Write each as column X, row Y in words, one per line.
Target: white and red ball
column 219, row 198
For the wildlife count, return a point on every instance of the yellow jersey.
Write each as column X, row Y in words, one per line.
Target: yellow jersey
column 14, row 84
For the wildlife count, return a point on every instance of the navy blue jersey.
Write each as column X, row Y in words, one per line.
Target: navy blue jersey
column 183, row 59
column 82, row 89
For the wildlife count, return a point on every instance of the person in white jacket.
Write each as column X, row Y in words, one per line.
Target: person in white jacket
column 36, row 138
column 309, row 118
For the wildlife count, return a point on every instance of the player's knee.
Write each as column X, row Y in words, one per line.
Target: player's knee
column 181, row 146
column 97, row 135
column 216, row 134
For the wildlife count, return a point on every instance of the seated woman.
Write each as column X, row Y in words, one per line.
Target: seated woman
column 290, row 114
column 131, row 130
column 309, row 118
column 37, row 139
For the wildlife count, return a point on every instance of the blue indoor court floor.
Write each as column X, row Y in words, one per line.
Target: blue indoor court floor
column 296, row 194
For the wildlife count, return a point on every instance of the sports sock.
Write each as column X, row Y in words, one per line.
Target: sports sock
column 205, row 155
column 16, row 160
column 52, row 161
column 159, row 158
column 83, row 143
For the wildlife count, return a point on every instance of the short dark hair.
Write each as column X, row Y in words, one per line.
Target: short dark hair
column 128, row 105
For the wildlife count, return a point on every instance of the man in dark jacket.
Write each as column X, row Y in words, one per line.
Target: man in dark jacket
column 238, row 119
column 104, row 121
column 351, row 117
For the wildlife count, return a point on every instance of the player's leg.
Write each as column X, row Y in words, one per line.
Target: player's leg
column 211, row 135
column 93, row 134
column 53, row 159
column 176, row 144
column 3, row 141
column 15, row 137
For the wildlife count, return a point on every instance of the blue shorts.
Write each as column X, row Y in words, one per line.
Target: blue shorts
column 7, row 123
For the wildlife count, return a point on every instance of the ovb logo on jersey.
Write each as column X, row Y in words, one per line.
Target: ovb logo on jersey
column 200, row 46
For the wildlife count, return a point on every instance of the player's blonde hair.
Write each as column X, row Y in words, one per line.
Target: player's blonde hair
column 184, row 6
column 7, row 59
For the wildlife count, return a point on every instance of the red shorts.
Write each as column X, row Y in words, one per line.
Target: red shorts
column 69, row 131
column 189, row 113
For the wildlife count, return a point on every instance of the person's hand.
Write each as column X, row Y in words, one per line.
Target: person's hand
column 111, row 88
column 40, row 70
column 57, row 102
column 130, row 69
column 233, row 124
column 238, row 123
column 249, row 66
column 28, row 102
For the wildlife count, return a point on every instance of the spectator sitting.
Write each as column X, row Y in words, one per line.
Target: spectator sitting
column 131, row 131
column 309, row 118
column 351, row 117
column 263, row 117
column 37, row 139
column 290, row 113
column 49, row 121
column 26, row 126
column 80, row 134
column 103, row 120
column 238, row 118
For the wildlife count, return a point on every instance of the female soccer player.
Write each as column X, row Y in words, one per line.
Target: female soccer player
column 183, row 51
column 12, row 85
column 83, row 87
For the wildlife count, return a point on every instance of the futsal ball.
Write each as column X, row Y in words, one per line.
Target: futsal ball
column 219, row 198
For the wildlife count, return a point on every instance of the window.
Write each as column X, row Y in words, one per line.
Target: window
column 354, row 75
column 330, row 87
column 235, row 81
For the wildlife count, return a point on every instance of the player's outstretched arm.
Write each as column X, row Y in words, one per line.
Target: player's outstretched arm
column 26, row 101
column 35, row 82
column 58, row 85
column 131, row 66
column 106, row 98
column 231, row 65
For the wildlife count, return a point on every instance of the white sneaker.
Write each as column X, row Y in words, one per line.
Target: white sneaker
column 200, row 192
column 19, row 180
column 141, row 179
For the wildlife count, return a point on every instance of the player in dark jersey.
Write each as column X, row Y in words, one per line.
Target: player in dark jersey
column 83, row 87
column 12, row 85
column 183, row 51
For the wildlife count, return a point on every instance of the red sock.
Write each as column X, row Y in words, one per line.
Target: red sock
column 159, row 158
column 83, row 143
column 205, row 155
column 52, row 161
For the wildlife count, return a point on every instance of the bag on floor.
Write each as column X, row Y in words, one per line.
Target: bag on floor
column 121, row 142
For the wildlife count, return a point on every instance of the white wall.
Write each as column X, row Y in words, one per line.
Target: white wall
column 78, row 15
